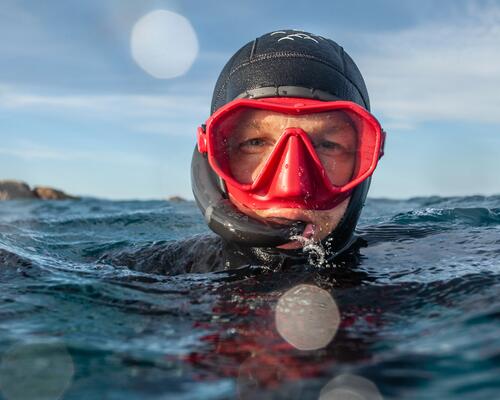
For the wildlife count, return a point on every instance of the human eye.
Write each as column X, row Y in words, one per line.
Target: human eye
column 331, row 146
column 253, row 145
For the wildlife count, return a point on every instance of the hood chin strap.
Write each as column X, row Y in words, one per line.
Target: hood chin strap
column 226, row 220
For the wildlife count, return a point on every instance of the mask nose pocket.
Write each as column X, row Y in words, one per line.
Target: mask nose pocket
column 293, row 170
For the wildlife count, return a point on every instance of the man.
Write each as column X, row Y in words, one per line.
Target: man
column 283, row 163
column 287, row 155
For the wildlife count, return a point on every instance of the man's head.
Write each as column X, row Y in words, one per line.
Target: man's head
column 334, row 138
column 290, row 142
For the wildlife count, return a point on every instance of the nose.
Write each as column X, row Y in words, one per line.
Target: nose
column 295, row 173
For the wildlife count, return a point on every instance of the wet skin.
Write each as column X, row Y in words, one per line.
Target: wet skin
column 253, row 138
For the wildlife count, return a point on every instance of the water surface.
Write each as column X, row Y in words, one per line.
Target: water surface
column 419, row 312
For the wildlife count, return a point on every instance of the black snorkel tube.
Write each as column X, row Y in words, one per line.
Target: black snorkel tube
column 225, row 219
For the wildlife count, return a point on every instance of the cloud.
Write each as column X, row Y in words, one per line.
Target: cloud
column 29, row 151
column 169, row 115
column 35, row 152
column 15, row 98
column 167, row 128
column 443, row 70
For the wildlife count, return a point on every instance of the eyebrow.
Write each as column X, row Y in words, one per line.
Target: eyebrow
column 332, row 128
column 336, row 128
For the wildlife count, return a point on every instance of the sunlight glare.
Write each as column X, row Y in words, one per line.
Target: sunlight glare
column 164, row 44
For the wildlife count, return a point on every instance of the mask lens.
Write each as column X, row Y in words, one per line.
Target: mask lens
column 339, row 141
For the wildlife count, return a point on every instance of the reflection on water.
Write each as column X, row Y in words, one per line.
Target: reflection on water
column 260, row 379
column 307, row 317
column 419, row 308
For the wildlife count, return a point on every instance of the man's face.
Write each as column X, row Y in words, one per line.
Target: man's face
column 255, row 134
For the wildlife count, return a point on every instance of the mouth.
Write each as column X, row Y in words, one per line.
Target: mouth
column 302, row 237
column 284, row 221
column 300, row 240
column 307, row 228
column 309, row 231
column 290, row 220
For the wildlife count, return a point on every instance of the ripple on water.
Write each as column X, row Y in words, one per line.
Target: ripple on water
column 418, row 309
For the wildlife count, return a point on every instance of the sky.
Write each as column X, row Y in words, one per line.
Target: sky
column 81, row 111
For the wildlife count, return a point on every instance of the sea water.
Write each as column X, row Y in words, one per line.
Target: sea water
column 416, row 317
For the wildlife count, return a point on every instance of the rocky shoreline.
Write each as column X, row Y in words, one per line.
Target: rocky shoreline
column 16, row 190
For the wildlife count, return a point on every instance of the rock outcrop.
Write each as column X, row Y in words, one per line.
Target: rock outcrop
column 16, row 190
column 48, row 193
column 176, row 199
column 11, row 190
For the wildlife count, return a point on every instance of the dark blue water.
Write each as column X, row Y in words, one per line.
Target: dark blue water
column 419, row 310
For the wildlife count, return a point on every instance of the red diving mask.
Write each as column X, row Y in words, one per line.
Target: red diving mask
column 291, row 152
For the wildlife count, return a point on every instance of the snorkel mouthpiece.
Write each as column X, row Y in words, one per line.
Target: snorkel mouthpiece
column 226, row 220
column 234, row 226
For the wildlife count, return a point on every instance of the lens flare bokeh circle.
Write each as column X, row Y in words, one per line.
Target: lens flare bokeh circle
column 307, row 317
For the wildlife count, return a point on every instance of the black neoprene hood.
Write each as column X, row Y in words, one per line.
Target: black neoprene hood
column 285, row 63
column 291, row 59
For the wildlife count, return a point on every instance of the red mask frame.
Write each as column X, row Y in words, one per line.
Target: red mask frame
column 277, row 187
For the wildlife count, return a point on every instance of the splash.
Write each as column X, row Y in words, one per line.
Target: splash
column 316, row 253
